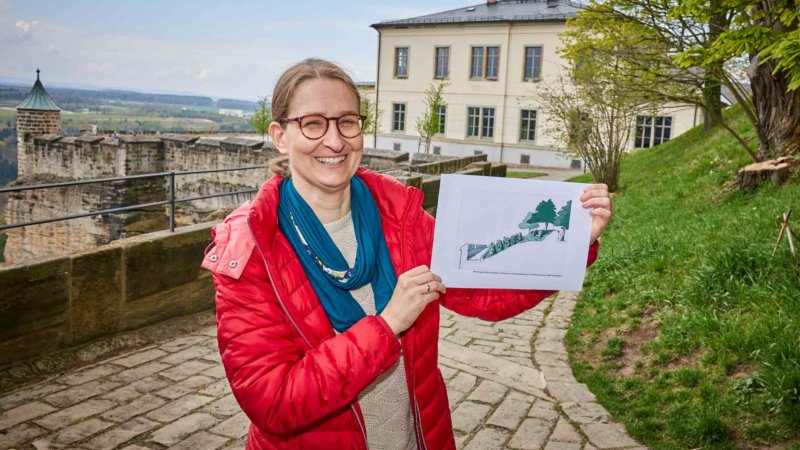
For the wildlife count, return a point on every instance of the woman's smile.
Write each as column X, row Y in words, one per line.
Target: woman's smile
column 331, row 162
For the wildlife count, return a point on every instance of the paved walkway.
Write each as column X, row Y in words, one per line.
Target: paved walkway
column 504, row 394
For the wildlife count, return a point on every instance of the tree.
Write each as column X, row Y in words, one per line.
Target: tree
column 262, row 117
column 529, row 224
column 592, row 114
column 369, row 108
column 562, row 219
column 767, row 33
column 545, row 212
column 428, row 124
column 685, row 51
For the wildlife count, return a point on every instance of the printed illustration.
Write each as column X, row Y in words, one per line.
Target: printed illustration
column 512, row 235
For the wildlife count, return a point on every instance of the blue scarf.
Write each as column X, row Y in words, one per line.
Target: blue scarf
column 323, row 263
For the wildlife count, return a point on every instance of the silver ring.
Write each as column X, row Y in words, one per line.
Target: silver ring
column 428, row 286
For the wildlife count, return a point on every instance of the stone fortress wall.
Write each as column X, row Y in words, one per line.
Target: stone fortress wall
column 53, row 158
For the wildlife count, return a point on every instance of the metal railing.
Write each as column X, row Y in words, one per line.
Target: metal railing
column 171, row 201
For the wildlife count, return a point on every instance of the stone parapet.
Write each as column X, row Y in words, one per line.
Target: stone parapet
column 60, row 302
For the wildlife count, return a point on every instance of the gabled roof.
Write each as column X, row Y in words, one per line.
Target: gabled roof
column 38, row 99
column 501, row 11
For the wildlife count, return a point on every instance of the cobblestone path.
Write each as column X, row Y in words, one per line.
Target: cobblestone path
column 504, row 394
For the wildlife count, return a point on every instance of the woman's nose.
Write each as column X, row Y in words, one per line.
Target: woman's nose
column 333, row 139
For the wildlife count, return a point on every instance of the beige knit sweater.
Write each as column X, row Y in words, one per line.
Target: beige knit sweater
column 384, row 403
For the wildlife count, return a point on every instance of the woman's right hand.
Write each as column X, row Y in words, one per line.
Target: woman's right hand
column 410, row 298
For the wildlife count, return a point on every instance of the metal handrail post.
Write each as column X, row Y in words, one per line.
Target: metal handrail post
column 172, row 202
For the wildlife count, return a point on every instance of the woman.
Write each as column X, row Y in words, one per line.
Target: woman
column 327, row 313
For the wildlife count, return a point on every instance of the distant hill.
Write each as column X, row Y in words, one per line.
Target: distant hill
column 96, row 97
column 228, row 103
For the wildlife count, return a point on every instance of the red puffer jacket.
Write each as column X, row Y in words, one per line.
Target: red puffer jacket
column 293, row 376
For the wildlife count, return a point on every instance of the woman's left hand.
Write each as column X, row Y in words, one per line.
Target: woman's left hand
column 596, row 196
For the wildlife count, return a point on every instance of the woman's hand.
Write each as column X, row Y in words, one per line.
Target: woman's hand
column 410, row 298
column 596, row 196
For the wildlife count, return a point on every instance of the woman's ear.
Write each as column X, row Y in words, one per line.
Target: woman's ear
column 278, row 135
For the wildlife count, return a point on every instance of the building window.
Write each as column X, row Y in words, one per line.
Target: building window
column 442, row 118
column 485, row 63
column 527, row 129
column 437, row 150
column 477, row 63
column 478, row 152
column 576, row 164
column 480, row 122
column 652, row 131
column 399, row 119
column 524, row 159
column 663, row 131
column 401, row 62
column 533, row 63
column 396, row 146
column 473, row 122
column 442, row 62
column 487, row 124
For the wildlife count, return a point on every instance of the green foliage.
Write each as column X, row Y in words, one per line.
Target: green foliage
column 723, row 305
column 427, row 124
column 369, row 108
column 262, row 117
column 545, row 212
column 562, row 218
column 529, row 223
column 512, row 174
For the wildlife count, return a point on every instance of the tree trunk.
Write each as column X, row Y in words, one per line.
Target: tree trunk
column 712, row 90
column 778, row 109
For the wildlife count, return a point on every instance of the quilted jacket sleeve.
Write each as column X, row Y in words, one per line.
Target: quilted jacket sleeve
column 279, row 382
column 485, row 304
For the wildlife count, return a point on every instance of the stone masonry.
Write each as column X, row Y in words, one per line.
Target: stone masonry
column 509, row 383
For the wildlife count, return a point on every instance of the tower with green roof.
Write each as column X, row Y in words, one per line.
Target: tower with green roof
column 38, row 114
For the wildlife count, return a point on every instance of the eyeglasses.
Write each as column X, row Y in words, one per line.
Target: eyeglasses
column 314, row 126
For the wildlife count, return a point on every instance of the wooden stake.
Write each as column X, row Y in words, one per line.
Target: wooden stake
column 787, row 229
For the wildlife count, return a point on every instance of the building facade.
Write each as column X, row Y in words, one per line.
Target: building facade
column 492, row 56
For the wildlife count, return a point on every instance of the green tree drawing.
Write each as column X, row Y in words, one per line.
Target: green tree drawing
column 545, row 212
column 529, row 224
column 562, row 219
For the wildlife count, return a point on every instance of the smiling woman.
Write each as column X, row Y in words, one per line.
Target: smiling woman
column 328, row 333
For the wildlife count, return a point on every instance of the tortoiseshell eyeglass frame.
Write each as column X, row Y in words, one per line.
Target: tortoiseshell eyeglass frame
column 299, row 121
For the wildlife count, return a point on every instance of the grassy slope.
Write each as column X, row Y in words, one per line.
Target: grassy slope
column 688, row 331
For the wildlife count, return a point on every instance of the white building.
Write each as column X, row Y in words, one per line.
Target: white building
column 231, row 112
column 492, row 55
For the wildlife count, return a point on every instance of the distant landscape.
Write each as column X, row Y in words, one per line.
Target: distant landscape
column 121, row 111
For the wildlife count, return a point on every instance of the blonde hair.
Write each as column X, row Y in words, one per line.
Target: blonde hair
column 290, row 80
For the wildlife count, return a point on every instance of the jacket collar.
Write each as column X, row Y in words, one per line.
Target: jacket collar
column 397, row 203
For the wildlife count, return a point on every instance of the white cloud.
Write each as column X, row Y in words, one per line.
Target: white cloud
column 106, row 67
column 203, row 74
column 51, row 48
column 24, row 26
column 5, row 5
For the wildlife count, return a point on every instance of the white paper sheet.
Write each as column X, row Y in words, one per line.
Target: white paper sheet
column 543, row 229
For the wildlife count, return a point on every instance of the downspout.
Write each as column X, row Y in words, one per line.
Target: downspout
column 377, row 83
column 505, row 91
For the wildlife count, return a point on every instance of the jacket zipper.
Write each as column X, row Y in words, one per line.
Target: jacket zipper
column 297, row 328
column 417, row 414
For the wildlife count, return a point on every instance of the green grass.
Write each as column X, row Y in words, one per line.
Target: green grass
column 724, row 369
column 511, row 174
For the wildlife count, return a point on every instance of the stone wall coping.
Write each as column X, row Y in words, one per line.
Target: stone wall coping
column 243, row 142
column 214, row 142
column 48, row 138
column 139, row 139
column 89, row 139
column 179, row 138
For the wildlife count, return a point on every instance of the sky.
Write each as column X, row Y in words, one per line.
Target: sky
column 227, row 49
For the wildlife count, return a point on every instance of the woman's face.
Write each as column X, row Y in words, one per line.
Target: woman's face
column 328, row 163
